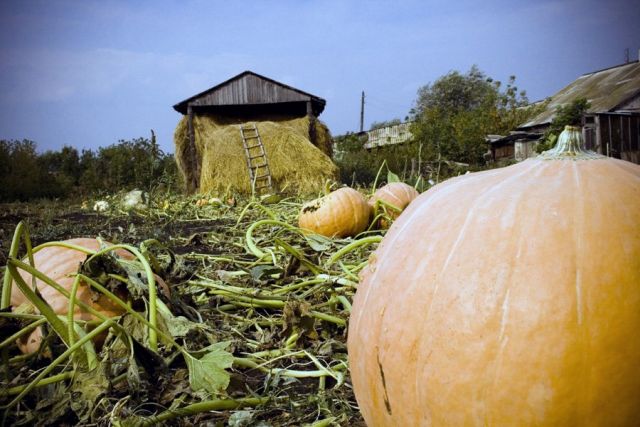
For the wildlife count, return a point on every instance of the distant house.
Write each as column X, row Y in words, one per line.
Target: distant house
column 611, row 125
column 388, row 135
column 517, row 145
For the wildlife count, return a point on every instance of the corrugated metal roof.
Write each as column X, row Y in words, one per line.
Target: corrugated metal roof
column 606, row 90
column 389, row 135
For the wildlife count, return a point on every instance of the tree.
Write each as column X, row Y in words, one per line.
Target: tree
column 21, row 177
column 453, row 115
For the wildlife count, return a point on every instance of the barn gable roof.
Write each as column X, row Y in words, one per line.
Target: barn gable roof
column 249, row 88
column 607, row 90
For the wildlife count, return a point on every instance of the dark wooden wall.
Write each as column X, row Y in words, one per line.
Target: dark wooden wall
column 615, row 135
column 506, row 151
column 250, row 89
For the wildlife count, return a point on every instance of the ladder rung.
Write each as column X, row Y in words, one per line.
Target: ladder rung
column 264, row 180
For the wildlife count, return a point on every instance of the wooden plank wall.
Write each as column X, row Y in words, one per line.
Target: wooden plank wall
column 250, row 90
column 620, row 136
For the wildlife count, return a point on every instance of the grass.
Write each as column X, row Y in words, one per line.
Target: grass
column 255, row 329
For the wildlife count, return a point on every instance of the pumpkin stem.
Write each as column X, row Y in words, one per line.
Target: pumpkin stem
column 570, row 145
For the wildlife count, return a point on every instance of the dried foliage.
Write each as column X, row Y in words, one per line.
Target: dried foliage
column 253, row 335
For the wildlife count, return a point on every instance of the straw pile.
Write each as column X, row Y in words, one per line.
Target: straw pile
column 297, row 165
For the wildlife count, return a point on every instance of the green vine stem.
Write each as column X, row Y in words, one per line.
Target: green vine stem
column 375, row 181
column 72, row 302
column 40, row 304
column 293, row 373
column 251, row 245
column 46, row 381
column 295, row 286
column 210, row 405
column 352, row 246
column 327, row 422
column 20, row 231
column 266, row 210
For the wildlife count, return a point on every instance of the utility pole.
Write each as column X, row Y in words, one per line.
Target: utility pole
column 626, row 56
column 362, row 113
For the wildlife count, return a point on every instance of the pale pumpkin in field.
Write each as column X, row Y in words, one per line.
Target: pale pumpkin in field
column 61, row 265
column 342, row 213
column 396, row 194
column 509, row 297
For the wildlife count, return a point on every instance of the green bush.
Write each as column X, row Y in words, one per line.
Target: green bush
column 27, row 175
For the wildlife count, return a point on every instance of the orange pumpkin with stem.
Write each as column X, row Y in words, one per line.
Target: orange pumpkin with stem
column 507, row 297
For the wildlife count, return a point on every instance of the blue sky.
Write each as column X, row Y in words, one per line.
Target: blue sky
column 88, row 73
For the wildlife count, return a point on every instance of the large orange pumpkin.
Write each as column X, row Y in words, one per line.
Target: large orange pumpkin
column 505, row 298
column 61, row 264
column 342, row 213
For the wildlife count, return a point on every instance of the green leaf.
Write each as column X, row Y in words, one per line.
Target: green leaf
column 318, row 243
column 209, row 372
column 262, row 272
column 392, row 177
column 180, row 326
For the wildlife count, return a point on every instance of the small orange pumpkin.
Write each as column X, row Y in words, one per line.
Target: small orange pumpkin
column 342, row 213
column 509, row 297
column 397, row 194
column 61, row 265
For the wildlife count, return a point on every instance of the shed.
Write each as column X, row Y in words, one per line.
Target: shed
column 250, row 94
column 516, row 145
column 612, row 123
column 247, row 102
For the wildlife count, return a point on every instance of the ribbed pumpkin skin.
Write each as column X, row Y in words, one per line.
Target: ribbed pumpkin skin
column 397, row 194
column 342, row 213
column 509, row 297
column 61, row 264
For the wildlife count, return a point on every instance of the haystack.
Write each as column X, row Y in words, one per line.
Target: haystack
column 297, row 165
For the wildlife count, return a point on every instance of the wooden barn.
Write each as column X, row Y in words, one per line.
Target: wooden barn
column 251, row 95
column 246, row 101
column 611, row 125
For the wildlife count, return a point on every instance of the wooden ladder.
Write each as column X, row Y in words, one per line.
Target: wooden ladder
column 259, row 172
